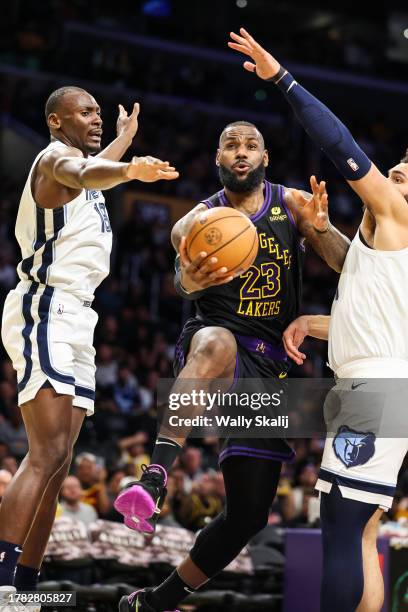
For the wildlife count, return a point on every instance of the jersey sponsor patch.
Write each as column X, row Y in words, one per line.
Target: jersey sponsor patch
column 353, row 447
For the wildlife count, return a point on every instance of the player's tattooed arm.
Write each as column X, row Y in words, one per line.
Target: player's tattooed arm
column 315, row 326
column 126, row 129
column 311, row 215
column 182, row 226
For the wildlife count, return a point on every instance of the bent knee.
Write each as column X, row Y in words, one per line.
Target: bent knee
column 213, row 353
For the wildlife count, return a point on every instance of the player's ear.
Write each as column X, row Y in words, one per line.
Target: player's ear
column 266, row 158
column 217, row 158
column 54, row 121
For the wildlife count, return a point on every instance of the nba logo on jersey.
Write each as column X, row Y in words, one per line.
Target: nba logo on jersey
column 60, row 309
column 353, row 447
column 2, row 555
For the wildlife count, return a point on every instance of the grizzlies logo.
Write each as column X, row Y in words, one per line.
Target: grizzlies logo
column 353, row 447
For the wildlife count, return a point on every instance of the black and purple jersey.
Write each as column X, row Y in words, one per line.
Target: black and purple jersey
column 263, row 301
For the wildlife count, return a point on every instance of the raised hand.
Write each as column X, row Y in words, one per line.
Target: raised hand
column 264, row 64
column 314, row 209
column 293, row 337
column 149, row 169
column 128, row 125
column 199, row 274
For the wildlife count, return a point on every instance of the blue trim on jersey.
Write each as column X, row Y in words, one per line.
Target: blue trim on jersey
column 28, row 328
column 354, row 483
column 42, row 339
column 48, row 253
column 27, row 263
column 85, row 392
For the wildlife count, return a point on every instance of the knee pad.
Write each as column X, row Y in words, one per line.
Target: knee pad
column 343, row 524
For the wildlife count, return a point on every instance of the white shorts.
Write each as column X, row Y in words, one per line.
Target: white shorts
column 367, row 439
column 48, row 334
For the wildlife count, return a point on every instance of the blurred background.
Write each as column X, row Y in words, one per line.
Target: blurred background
column 171, row 56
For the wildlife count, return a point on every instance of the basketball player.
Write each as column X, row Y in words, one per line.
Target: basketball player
column 368, row 340
column 48, row 323
column 236, row 333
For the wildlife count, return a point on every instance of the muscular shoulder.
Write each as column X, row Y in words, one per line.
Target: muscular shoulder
column 47, row 162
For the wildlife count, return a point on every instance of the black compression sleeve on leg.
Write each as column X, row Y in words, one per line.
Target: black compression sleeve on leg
column 343, row 523
column 250, row 486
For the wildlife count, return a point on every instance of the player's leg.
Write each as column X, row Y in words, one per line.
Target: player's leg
column 47, row 419
column 211, row 355
column 373, row 595
column 30, row 560
column 344, row 522
column 250, row 487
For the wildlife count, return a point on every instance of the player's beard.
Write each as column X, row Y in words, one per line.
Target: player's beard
column 251, row 182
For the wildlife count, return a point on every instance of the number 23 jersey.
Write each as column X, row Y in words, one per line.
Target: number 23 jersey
column 262, row 301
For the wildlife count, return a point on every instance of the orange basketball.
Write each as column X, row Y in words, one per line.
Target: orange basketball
column 227, row 234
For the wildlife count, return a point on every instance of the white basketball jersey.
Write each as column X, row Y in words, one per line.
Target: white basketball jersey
column 369, row 317
column 66, row 247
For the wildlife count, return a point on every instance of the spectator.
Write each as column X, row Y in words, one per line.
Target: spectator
column 92, row 480
column 193, row 510
column 71, row 504
column 191, row 461
column 125, row 390
column 5, row 478
column 134, row 452
column 9, row 463
column 106, row 367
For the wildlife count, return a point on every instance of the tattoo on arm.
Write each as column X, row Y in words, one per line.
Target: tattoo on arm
column 332, row 246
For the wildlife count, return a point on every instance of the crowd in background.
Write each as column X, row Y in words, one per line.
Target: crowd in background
column 140, row 315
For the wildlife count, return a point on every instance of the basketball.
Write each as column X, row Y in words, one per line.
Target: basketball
column 224, row 233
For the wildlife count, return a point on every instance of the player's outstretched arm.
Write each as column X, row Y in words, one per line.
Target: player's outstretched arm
column 78, row 172
column 311, row 213
column 316, row 326
column 126, row 129
column 326, row 130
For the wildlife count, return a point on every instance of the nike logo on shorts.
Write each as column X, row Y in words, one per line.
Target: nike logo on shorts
column 354, row 386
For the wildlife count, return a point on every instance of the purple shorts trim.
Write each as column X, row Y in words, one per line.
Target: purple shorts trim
column 256, row 452
column 249, row 452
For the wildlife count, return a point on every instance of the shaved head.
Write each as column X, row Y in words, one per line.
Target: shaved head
column 240, row 126
column 404, row 160
column 54, row 101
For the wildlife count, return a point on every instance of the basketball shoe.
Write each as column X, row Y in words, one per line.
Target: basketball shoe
column 141, row 502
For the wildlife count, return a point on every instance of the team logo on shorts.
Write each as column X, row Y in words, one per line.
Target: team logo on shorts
column 353, row 447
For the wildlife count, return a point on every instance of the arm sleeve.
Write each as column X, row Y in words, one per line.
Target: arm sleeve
column 325, row 129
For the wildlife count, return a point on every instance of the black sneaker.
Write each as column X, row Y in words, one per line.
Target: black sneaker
column 136, row 602
column 141, row 501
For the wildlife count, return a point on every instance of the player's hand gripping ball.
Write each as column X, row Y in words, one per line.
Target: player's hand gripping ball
column 228, row 235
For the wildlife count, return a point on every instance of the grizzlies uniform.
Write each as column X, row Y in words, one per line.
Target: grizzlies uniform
column 256, row 307
column 366, row 412
column 48, row 323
